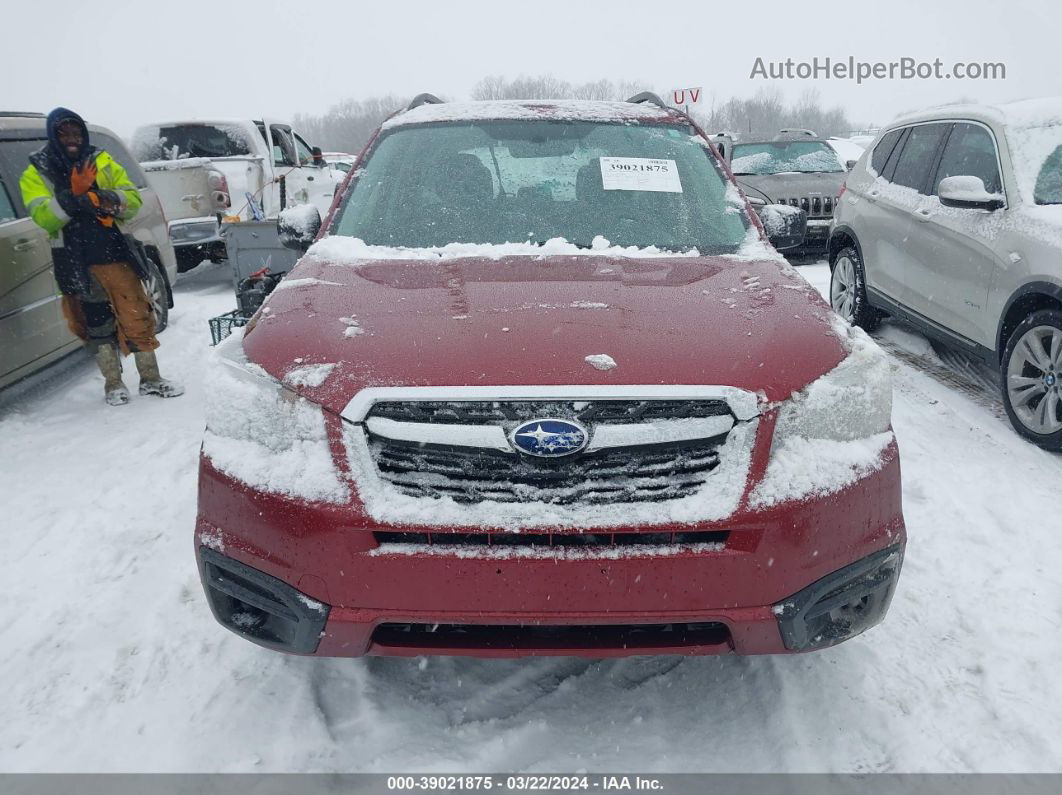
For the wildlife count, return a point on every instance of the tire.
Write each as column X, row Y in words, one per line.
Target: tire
column 848, row 290
column 1031, row 372
column 155, row 286
column 188, row 257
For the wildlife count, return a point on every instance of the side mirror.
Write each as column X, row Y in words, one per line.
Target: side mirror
column 967, row 193
column 298, row 226
column 318, row 157
column 785, row 225
column 850, row 164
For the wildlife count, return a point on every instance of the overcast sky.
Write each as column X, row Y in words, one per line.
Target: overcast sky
column 122, row 63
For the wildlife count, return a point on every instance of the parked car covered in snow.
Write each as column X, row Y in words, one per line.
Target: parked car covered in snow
column 542, row 386
column 33, row 332
column 952, row 221
column 796, row 169
column 207, row 171
column 340, row 161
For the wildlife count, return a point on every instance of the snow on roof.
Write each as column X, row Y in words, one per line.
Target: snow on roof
column 567, row 110
column 1021, row 113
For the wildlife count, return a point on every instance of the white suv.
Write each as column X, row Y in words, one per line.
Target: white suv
column 952, row 221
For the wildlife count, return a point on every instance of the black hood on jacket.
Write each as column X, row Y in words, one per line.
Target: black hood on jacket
column 52, row 157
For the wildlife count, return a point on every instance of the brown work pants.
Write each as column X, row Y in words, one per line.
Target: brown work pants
column 117, row 310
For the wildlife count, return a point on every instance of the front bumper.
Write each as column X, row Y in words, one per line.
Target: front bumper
column 195, row 232
column 794, row 577
column 817, row 235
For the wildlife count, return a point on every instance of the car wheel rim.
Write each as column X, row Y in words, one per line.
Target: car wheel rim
column 155, row 294
column 1034, row 380
column 843, row 288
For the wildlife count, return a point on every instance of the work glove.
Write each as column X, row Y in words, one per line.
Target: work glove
column 75, row 206
column 82, row 178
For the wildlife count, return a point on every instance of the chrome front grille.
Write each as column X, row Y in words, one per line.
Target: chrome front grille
column 641, row 446
column 484, row 412
column 814, row 206
column 553, row 539
column 643, row 473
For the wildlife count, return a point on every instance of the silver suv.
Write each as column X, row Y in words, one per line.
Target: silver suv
column 952, row 221
column 33, row 332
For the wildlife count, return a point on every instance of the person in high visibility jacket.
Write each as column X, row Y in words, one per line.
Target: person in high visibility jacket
column 81, row 196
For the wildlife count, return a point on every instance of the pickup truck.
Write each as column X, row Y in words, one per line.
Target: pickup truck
column 210, row 172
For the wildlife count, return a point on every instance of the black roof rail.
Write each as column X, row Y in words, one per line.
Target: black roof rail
column 14, row 113
column 423, row 99
column 651, row 98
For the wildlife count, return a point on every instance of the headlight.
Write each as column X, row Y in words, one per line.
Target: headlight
column 264, row 434
column 852, row 401
column 833, row 432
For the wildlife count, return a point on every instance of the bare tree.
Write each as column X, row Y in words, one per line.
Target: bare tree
column 347, row 125
column 549, row 87
column 766, row 113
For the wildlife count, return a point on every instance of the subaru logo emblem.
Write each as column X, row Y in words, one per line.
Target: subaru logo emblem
column 549, row 438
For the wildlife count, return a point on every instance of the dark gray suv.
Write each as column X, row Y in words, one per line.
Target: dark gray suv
column 799, row 170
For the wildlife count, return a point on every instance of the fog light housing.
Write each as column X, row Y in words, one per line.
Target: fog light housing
column 259, row 607
column 841, row 605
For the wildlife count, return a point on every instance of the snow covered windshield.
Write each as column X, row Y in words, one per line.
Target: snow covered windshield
column 181, row 141
column 1037, row 154
column 776, row 157
column 531, row 181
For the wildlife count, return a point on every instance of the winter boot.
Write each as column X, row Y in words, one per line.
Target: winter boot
column 114, row 391
column 151, row 383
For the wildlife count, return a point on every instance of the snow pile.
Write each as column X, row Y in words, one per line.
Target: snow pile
column 717, row 499
column 176, row 165
column 834, row 431
column 353, row 327
column 263, row 434
column 338, row 250
column 848, row 148
column 552, row 110
column 966, row 188
column 588, row 305
column 600, row 361
column 289, row 284
column 311, row 375
column 302, row 220
column 802, row 468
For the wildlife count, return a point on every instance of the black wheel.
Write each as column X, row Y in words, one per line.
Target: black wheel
column 848, row 290
column 188, row 258
column 155, row 285
column 1032, row 378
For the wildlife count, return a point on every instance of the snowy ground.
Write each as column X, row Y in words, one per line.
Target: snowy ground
column 110, row 660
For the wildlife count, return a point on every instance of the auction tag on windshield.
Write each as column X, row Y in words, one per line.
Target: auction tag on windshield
column 639, row 173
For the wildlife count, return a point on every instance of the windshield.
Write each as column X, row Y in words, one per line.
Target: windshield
column 776, row 157
column 178, row 142
column 1048, row 187
column 1036, row 151
column 533, row 181
column 1037, row 155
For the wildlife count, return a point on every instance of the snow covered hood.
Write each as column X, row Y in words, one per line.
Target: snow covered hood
column 524, row 320
column 794, row 184
column 566, row 110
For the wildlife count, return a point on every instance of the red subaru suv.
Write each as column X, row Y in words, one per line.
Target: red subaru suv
column 543, row 386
